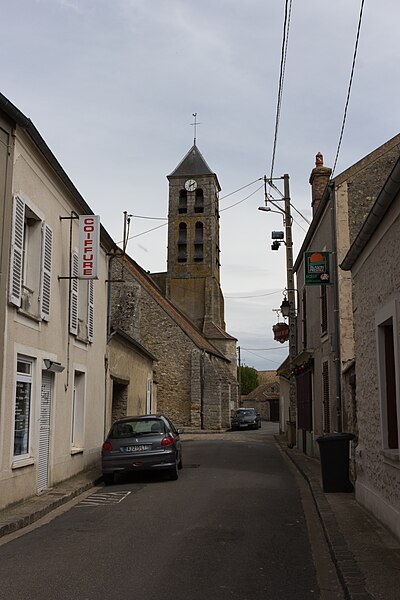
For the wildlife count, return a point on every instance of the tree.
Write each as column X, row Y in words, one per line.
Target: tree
column 248, row 379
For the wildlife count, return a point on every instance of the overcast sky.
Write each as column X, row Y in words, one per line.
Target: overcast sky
column 112, row 86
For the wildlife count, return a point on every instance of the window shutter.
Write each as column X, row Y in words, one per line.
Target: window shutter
column 17, row 251
column 90, row 317
column 326, row 395
column 47, row 248
column 73, row 322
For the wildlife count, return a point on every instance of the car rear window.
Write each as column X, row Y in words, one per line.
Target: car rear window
column 136, row 427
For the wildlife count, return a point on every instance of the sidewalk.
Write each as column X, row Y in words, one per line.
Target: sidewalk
column 365, row 553
column 25, row 513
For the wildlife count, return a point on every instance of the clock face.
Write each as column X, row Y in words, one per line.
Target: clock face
column 190, row 185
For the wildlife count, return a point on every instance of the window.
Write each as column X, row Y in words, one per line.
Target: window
column 304, row 318
column 30, row 265
column 388, row 372
column 81, row 304
column 23, row 401
column 198, row 242
column 199, row 201
column 182, row 243
column 182, row 209
column 78, row 411
column 324, row 310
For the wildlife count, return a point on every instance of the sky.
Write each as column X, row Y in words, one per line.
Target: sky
column 112, row 87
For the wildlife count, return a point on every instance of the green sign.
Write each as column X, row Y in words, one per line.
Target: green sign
column 316, row 268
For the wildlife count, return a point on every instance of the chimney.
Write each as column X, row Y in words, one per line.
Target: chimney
column 318, row 179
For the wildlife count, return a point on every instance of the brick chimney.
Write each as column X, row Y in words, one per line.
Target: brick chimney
column 318, row 179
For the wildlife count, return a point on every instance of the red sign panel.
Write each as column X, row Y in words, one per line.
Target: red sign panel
column 281, row 332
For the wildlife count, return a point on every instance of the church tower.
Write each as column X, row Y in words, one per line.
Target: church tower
column 193, row 271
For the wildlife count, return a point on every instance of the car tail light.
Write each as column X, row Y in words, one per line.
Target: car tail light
column 167, row 441
column 107, row 446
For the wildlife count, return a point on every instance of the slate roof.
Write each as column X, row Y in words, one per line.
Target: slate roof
column 193, row 164
column 213, row 332
column 175, row 314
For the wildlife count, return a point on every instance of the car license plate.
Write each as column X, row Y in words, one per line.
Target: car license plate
column 138, row 448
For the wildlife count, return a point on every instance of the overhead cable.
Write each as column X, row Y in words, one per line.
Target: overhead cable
column 350, row 85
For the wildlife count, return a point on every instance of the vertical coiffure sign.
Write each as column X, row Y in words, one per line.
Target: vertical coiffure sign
column 89, row 246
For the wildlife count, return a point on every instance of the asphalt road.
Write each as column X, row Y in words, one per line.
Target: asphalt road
column 232, row 527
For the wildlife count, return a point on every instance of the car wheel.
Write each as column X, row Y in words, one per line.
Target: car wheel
column 173, row 473
column 180, row 464
column 108, row 478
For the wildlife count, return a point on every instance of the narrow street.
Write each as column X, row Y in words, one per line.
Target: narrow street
column 232, row 526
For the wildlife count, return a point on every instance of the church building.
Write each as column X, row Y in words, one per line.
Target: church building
column 178, row 315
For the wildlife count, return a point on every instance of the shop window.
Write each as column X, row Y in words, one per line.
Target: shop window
column 199, row 201
column 198, row 242
column 182, row 243
column 23, row 405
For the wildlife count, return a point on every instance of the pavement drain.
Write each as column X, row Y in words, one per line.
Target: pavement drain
column 103, row 499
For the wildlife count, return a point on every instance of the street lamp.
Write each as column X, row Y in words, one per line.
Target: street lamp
column 285, row 307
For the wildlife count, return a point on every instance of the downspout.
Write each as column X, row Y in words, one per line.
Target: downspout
column 336, row 326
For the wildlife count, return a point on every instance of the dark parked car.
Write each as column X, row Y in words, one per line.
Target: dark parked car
column 145, row 442
column 246, row 418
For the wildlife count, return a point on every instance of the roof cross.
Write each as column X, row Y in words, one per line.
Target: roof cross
column 195, row 127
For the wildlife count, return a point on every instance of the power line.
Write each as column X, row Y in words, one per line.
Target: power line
column 350, row 85
column 285, row 39
column 256, row 296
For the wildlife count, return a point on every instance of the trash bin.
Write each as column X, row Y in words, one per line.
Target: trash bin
column 291, row 433
column 334, row 450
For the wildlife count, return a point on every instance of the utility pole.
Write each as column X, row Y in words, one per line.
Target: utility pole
column 291, row 298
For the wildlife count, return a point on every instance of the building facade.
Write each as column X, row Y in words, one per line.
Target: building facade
column 373, row 262
column 324, row 366
column 54, row 337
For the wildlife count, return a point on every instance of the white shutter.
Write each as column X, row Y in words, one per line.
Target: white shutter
column 90, row 316
column 73, row 322
column 17, row 251
column 47, row 248
column 44, row 432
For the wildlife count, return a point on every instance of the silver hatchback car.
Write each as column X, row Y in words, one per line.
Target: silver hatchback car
column 139, row 443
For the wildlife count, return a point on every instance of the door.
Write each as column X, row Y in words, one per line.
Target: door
column 44, row 432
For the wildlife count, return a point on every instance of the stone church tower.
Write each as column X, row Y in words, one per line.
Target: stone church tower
column 193, row 271
column 192, row 280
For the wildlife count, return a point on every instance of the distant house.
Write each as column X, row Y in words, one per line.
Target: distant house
column 265, row 397
column 373, row 260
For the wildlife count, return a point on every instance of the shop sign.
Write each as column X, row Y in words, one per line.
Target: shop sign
column 316, row 268
column 281, row 332
column 89, row 245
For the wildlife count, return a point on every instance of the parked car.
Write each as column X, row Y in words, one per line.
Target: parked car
column 246, row 418
column 141, row 443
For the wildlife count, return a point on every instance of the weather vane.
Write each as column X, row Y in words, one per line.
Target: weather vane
column 195, row 127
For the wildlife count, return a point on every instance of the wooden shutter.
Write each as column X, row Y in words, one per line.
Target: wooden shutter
column 326, row 395
column 90, row 316
column 45, row 291
column 74, row 299
column 17, row 251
